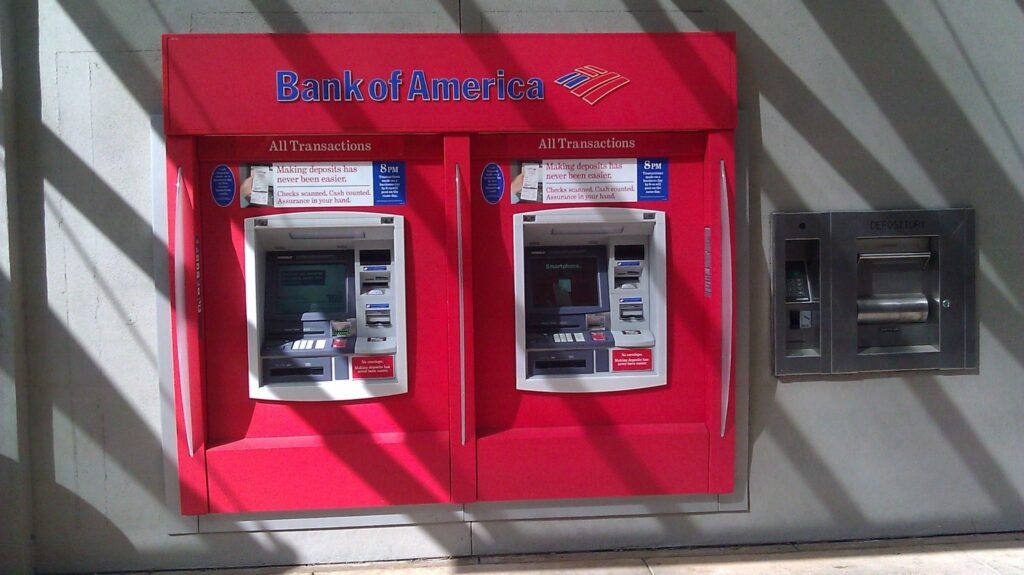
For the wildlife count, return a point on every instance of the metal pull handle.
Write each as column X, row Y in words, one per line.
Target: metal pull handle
column 180, row 314
column 895, row 256
column 727, row 288
column 462, row 307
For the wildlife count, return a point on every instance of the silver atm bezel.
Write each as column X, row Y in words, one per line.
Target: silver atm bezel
column 657, row 285
column 335, row 390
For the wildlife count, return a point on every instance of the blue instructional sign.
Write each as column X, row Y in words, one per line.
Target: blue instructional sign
column 222, row 186
column 492, row 183
column 389, row 183
column 652, row 179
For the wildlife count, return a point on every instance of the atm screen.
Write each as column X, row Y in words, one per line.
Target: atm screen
column 564, row 282
column 316, row 287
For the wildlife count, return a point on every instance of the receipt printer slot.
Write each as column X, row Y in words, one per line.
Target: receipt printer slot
column 631, row 311
column 378, row 318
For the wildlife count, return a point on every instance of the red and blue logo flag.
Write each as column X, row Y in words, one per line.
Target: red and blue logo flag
column 592, row 83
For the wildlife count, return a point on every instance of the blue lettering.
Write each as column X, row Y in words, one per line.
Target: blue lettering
column 352, row 90
column 471, row 89
column 535, row 89
column 418, row 87
column 378, row 90
column 286, row 91
column 310, row 91
column 396, row 81
column 445, row 89
column 488, row 88
column 291, row 88
column 515, row 88
column 332, row 90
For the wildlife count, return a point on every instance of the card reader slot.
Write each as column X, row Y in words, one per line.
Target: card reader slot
column 627, row 282
column 296, row 370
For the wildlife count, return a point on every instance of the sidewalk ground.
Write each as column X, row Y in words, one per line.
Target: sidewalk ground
column 993, row 554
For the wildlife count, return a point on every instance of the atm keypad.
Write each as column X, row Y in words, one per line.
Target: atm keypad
column 569, row 337
column 314, row 344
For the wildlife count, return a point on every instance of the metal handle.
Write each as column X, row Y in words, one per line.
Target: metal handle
column 893, row 308
column 462, row 307
column 726, row 296
column 180, row 314
column 895, row 256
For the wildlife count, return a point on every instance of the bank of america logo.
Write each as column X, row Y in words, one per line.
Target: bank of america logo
column 592, row 83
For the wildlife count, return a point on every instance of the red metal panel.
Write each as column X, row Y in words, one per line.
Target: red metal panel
column 329, row 471
column 722, row 447
column 462, row 409
column 606, row 461
column 227, row 84
column 181, row 159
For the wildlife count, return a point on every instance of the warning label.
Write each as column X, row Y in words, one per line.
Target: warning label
column 373, row 366
column 632, row 360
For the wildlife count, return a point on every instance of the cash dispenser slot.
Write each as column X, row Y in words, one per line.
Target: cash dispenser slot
column 297, row 370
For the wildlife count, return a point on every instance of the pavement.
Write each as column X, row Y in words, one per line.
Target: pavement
column 992, row 554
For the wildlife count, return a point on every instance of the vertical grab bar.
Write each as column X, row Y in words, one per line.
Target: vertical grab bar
column 462, row 307
column 726, row 296
column 180, row 314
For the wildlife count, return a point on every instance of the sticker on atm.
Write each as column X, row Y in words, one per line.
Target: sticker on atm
column 589, row 180
column 373, row 366
column 632, row 360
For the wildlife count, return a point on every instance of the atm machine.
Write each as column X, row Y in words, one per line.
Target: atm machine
column 367, row 312
column 602, row 332
column 590, row 301
column 325, row 306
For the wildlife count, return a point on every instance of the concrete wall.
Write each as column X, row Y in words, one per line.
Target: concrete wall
column 852, row 105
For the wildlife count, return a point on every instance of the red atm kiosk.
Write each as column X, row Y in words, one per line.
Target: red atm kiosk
column 414, row 269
